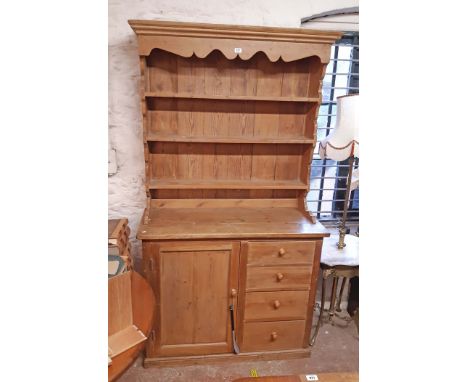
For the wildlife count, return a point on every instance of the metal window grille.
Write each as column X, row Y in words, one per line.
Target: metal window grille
column 328, row 177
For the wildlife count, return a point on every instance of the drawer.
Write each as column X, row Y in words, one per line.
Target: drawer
column 278, row 305
column 280, row 252
column 276, row 335
column 278, row 278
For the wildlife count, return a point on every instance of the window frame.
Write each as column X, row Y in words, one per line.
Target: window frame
column 317, row 196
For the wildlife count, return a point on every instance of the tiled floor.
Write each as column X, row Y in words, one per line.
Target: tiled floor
column 336, row 350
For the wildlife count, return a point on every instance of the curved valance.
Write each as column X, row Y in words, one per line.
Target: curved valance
column 187, row 40
column 187, row 47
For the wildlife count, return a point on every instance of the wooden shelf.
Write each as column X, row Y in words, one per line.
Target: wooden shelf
column 182, row 184
column 207, row 139
column 231, row 97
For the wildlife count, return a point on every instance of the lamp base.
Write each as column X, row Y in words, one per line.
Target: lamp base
column 341, row 244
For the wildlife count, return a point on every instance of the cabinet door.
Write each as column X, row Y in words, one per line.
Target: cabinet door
column 194, row 282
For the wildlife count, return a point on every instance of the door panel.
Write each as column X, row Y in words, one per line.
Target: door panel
column 195, row 281
column 194, row 294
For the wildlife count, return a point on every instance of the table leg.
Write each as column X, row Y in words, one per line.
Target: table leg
column 331, row 311
column 319, row 323
column 340, row 296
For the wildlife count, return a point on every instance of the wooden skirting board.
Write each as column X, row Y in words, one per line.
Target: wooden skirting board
column 214, row 358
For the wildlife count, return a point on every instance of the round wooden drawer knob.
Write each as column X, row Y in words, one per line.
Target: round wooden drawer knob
column 276, row 304
column 233, row 293
column 281, row 252
column 274, row 336
column 279, row 276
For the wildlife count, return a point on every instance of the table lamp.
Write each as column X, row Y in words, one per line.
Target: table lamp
column 341, row 144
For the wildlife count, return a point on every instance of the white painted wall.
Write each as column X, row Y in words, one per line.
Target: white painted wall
column 126, row 187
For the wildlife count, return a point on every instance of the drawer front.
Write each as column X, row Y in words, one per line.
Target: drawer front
column 280, row 252
column 278, row 278
column 281, row 305
column 259, row 336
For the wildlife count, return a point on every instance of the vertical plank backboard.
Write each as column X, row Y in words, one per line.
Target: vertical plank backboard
column 163, row 74
column 263, row 167
column 288, row 166
column 238, row 85
column 296, row 84
column 215, row 75
column 269, row 83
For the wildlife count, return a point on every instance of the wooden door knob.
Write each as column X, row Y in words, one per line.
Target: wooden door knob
column 274, row 336
column 276, row 304
column 233, row 292
column 281, row 252
column 279, row 276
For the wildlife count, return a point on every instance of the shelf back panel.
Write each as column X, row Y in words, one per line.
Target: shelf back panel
column 218, row 118
column 217, row 162
column 216, row 75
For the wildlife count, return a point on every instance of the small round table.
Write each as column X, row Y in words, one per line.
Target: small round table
column 336, row 263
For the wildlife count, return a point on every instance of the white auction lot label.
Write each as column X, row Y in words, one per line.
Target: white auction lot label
column 311, row 377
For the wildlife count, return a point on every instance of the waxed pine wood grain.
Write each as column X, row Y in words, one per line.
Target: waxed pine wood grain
column 185, row 274
column 230, row 222
column 169, row 117
column 289, row 277
column 229, row 117
column 276, row 305
column 119, row 303
column 143, row 303
column 280, row 252
column 276, row 335
column 194, row 283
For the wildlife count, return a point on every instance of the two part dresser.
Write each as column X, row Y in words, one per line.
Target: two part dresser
column 229, row 127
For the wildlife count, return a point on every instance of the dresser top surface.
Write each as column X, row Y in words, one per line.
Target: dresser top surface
column 229, row 223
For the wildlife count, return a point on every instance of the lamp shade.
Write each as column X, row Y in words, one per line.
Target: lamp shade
column 343, row 142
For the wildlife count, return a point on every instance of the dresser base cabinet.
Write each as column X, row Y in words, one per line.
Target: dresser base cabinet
column 229, row 120
column 196, row 282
